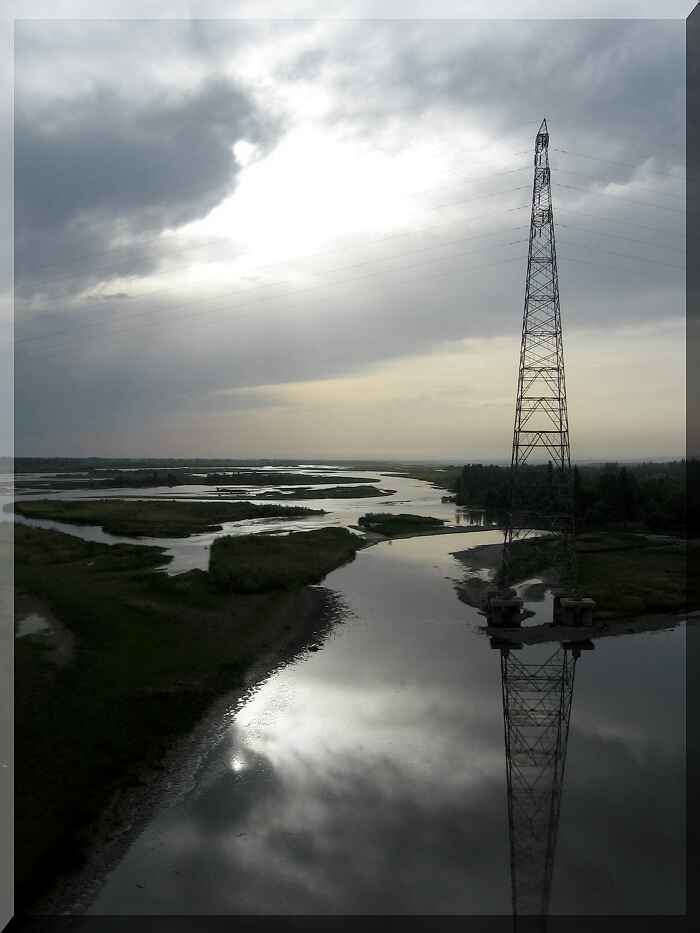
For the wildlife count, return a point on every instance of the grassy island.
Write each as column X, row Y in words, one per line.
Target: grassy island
column 392, row 525
column 255, row 563
column 154, row 518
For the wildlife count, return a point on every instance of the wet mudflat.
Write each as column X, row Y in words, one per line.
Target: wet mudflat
column 369, row 776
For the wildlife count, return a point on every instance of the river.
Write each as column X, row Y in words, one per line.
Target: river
column 368, row 777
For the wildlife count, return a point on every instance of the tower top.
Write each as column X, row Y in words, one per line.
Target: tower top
column 543, row 127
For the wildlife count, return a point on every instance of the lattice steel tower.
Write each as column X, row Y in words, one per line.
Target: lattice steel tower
column 540, row 498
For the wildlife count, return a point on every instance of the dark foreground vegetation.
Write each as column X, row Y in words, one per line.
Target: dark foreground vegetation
column 154, row 518
column 639, row 496
column 151, row 653
column 257, row 563
column 391, row 525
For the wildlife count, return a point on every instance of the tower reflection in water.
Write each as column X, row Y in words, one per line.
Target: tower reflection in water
column 537, row 702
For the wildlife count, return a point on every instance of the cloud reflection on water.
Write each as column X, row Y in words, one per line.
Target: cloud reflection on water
column 374, row 778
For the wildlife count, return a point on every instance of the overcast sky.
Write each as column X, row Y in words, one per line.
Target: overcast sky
column 248, row 238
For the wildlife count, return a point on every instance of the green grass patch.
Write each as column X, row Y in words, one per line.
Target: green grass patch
column 386, row 523
column 256, row 563
column 627, row 581
column 626, row 574
column 154, row 518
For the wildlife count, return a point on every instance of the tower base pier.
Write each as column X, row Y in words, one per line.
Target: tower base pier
column 576, row 647
column 504, row 611
column 570, row 610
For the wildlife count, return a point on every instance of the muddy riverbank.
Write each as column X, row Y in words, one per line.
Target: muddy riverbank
column 299, row 623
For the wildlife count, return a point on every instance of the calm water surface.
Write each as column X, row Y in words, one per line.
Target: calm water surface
column 369, row 777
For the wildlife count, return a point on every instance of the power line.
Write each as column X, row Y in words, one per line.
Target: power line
column 562, row 171
column 470, row 178
column 69, row 276
column 137, row 244
column 641, row 139
column 74, row 275
column 484, row 148
column 364, row 262
column 399, row 255
column 248, row 312
column 208, row 310
column 620, row 197
column 600, row 265
column 618, row 223
column 636, row 165
column 321, row 285
column 677, row 249
column 314, row 255
column 469, row 200
column 644, row 259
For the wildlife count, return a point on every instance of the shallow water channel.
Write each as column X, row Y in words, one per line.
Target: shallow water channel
column 409, row 495
column 369, row 776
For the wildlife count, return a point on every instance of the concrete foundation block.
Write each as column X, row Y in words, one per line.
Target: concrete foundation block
column 577, row 612
column 504, row 611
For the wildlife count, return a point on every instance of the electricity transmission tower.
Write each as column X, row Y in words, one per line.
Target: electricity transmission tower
column 537, row 701
column 537, row 697
column 541, row 497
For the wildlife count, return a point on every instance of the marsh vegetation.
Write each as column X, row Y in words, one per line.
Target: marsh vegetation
column 257, row 563
column 392, row 525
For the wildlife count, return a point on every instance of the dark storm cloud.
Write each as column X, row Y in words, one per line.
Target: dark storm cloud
column 616, row 84
column 99, row 167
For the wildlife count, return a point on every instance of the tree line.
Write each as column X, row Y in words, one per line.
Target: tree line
column 643, row 496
